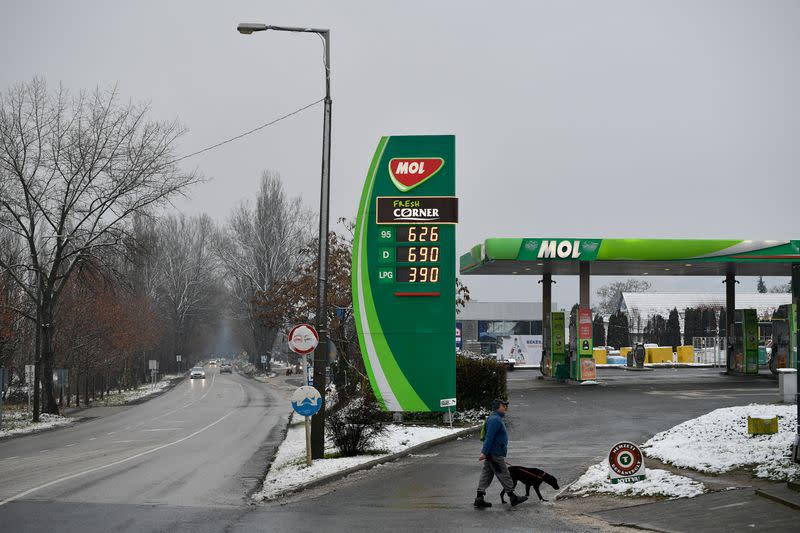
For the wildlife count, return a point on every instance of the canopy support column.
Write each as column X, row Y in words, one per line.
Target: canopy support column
column 547, row 305
column 584, row 284
column 796, row 302
column 730, row 315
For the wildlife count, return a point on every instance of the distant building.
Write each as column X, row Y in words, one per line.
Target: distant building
column 480, row 323
column 641, row 306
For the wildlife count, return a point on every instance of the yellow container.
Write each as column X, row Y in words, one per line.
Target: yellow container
column 686, row 354
column 599, row 355
column 762, row 426
column 662, row 354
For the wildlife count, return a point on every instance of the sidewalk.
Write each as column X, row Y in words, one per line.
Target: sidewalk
column 732, row 510
column 738, row 502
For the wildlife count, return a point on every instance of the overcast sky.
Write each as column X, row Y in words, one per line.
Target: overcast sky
column 572, row 118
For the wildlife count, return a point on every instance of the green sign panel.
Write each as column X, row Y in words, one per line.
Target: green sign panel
column 558, row 352
column 560, row 256
column 404, row 274
column 561, row 249
column 750, row 341
column 745, row 348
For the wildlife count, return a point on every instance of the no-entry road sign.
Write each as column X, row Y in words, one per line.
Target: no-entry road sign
column 303, row 338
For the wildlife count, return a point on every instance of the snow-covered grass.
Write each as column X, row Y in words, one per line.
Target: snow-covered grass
column 289, row 469
column 718, row 442
column 139, row 393
column 657, row 483
column 18, row 422
column 471, row 416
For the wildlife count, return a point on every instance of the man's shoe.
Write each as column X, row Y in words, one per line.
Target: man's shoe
column 480, row 503
column 516, row 500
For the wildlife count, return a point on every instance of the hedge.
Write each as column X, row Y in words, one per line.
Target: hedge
column 478, row 382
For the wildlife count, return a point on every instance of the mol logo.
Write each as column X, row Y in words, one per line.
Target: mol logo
column 408, row 172
column 560, row 249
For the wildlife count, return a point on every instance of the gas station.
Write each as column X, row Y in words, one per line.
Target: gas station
column 404, row 274
column 548, row 257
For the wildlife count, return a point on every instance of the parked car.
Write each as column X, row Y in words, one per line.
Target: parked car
column 225, row 368
column 197, row 372
column 509, row 363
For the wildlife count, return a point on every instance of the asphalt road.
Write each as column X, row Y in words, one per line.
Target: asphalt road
column 200, row 446
column 197, row 484
column 562, row 429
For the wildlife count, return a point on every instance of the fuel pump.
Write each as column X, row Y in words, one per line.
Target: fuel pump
column 784, row 338
column 744, row 358
column 581, row 359
column 557, row 349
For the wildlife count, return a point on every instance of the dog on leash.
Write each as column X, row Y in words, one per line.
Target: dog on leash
column 530, row 477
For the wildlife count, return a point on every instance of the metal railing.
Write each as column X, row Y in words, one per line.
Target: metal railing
column 710, row 350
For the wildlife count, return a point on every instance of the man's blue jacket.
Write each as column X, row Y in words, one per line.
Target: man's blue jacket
column 495, row 441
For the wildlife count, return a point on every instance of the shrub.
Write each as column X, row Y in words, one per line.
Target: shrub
column 478, row 382
column 354, row 426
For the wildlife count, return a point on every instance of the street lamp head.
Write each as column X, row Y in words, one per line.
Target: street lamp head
column 246, row 28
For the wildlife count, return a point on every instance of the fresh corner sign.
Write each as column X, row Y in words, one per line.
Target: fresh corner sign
column 404, row 273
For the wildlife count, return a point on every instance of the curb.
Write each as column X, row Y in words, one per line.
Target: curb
column 793, row 503
column 174, row 383
column 375, row 462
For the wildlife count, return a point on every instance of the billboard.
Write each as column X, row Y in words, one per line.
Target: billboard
column 523, row 349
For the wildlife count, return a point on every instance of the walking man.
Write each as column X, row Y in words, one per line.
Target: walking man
column 493, row 455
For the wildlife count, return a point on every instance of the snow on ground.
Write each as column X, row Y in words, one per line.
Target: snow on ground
column 718, row 442
column 657, row 483
column 15, row 422
column 18, row 422
column 289, row 470
column 143, row 391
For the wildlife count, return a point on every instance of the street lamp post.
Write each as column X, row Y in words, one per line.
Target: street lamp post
column 321, row 353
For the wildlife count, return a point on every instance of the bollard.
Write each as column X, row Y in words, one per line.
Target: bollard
column 787, row 385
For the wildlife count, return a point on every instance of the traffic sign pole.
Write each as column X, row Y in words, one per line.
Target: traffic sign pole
column 308, row 441
column 307, row 401
column 303, row 339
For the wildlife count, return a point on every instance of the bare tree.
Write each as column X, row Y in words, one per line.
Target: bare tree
column 73, row 171
column 260, row 248
column 611, row 293
column 187, row 276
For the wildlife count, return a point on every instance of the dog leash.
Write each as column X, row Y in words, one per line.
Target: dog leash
column 537, row 476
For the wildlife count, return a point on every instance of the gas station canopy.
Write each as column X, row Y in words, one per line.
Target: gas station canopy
column 631, row 257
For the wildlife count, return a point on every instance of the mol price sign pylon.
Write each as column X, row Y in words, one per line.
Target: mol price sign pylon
column 404, row 278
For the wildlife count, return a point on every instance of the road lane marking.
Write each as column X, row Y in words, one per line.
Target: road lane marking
column 115, row 463
column 68, row 445
column 42, row 451
column 12, row 457
column 172, row 411
column 111, row 433
column 726, row 506
column 93, row 438
column 190, row 403
column 163, row 429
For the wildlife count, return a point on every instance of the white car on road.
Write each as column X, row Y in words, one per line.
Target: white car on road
column 197, row 372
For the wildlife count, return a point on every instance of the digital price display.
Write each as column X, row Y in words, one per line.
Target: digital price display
column 417, row 234
column 417, row 254
column 417, row 274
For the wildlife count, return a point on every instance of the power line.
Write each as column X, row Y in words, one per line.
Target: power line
column 245, row 134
